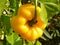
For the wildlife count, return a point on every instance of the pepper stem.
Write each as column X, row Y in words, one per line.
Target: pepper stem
column 33, row 21
column 35, row 14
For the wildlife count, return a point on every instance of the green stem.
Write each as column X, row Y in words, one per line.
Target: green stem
column 35, row 15
column 35, row 42
column 23, row 42
column 33, row 21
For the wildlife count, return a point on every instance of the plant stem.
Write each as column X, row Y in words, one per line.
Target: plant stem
column 35, row 15
column 35, row 42
column 33, row 21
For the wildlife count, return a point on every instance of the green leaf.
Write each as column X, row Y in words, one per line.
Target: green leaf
column 38, row 43
column 14, row 4
column 52, row 9
column 6, row 21
column 43, row 14
column 47, row 34
column 43, row 38
column 59, row 6
column 53, row 1
column 52, row 6
column 1, row 43
column 12, row 38
column 30, row 43
column 57, row 32
column 6, row 42
column 2, row 5
column 19, row 42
